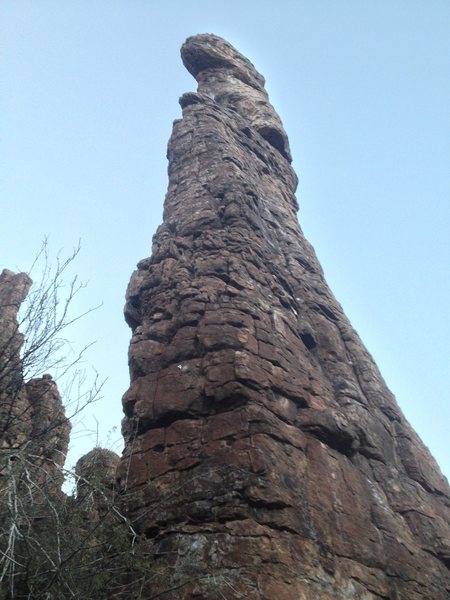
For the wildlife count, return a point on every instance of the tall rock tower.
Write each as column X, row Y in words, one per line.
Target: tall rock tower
column 264, row 453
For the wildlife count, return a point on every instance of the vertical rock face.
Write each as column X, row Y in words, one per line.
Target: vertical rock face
column 31, row 414
column 264, row 452
column 14, row 425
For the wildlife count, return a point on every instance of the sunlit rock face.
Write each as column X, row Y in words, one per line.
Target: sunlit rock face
column 264, row 452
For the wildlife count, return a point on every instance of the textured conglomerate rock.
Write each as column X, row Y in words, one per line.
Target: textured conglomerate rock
column 32, row 418
column 264, row 453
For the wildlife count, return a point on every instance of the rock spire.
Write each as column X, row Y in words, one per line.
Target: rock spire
column 32, row 418
column 264, row 453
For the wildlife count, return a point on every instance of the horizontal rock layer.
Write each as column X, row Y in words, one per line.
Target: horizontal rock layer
column 264, row 453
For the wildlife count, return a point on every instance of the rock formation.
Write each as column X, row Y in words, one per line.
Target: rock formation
column 13, row 426
column 53, row 545
column 264, row 453
column 96, row 473
column 32, row 418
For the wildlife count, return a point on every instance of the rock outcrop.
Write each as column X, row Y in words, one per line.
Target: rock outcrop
column 264, row 453
column 14, row 424
column 96, row 477
column 32, row 418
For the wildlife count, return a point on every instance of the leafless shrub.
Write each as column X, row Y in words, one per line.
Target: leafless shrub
column 53, row 545
column 58, row 546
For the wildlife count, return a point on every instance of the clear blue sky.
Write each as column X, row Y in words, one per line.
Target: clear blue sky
column 89, row 90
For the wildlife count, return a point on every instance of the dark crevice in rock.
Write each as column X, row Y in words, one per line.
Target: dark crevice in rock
column 328, row 312
column 308, row 340
column 275, row 139
column 338, row 440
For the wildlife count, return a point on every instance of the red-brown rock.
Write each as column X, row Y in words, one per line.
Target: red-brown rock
column 33, row 425
column 264, row 452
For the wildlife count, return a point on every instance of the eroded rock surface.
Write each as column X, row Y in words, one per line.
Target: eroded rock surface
column 264, row 452
column 32, row 418
column 96, row 480
column 14, row 426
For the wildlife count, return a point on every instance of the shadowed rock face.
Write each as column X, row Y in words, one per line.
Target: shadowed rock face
column 264, row 452
column 96, row 473
column 31, row 413
column 14, row 289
